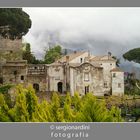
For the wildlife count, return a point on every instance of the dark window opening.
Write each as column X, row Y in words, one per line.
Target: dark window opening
column 22, row 77
column 81, row 60
column 60, row 87
column 35, row 67
column 105, row 84
column 86, row 89
column 15, row 72
column 36, row 87
column 1, row 80
column 114, row 74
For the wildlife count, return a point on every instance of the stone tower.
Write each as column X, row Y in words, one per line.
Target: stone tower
column 9, row 49
column 12, row 68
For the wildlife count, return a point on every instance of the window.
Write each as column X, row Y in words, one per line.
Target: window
column 86, row 89
column 110, row 64
column 11, row 51
column 119, row 85
column 105, row 84
column 114, row 74
column 86, row 76
column 81, row 60
column 22, row 77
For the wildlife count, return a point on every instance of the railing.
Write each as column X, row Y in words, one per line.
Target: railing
column 36, row 71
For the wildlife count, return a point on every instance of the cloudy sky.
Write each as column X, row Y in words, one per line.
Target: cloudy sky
column 98, row 30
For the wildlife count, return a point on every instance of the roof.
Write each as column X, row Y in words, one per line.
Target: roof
column 116, row 70
column 71, row 56
column 102, row 58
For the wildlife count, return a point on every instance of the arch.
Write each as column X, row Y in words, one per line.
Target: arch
column 60, row 87
column 36, row 86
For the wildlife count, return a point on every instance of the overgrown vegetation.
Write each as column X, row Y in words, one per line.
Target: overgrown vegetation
column 26, row 108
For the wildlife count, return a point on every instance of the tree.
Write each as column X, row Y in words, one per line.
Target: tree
column 16, row 20
column 52, row 54
column 27, row 108
column 96, row 111
column 55, row 110
column 133, row 55
column 117, row 60
column 27, row 54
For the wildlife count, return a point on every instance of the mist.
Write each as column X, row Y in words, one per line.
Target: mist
column 98, row 30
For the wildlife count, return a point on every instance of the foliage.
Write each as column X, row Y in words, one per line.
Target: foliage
column 17, row 20
column 133, row 55
column 94, row 111
column 114, row 101
column 131, row 88
column 4, row 90
column 75, row 109
column 117, row 60
column 27, row 54
column 52, row 54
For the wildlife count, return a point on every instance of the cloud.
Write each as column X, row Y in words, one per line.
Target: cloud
column 96, row 29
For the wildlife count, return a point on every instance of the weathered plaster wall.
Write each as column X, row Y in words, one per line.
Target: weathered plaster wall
column 78, row 81
column 118, row 83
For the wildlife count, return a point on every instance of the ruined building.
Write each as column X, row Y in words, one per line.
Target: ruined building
column 78, row 71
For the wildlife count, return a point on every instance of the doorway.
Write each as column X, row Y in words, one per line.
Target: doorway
column 60, row 87
column 36, row 87
column 86, row 89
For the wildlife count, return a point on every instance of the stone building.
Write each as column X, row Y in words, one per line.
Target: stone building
column 77, row 72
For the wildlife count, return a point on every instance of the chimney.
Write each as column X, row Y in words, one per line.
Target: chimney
column 67, row 58
column 109, row 55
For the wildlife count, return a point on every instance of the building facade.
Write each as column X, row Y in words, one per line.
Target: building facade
column 77, row 72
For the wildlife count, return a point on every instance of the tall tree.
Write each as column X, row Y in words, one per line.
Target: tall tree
column 27, row 54
column 17, row 21
column 133, row 55
column 53, row 54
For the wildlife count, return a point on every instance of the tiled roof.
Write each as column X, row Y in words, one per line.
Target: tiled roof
column 102, row 58
column 116, row 70
column 71, row 56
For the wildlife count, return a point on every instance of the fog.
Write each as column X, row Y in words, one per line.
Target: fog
column 98, row 30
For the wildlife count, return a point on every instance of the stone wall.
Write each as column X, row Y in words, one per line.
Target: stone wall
column 37, row 75
column 10, row 49
column 14, row 72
